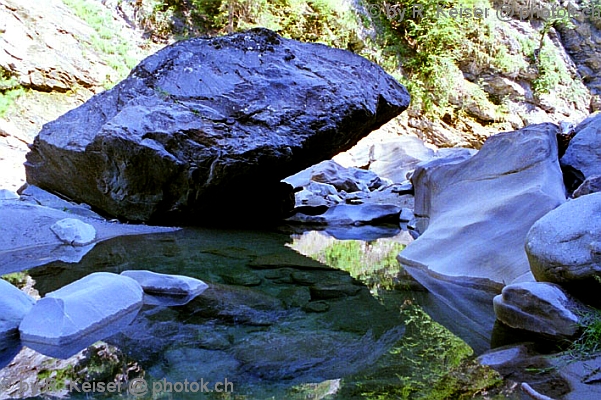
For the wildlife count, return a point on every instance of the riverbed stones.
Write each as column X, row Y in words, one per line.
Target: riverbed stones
column 14, row 304
column 74, row 231
column 537, row 307
column 207, row 127
column 80, row 308
column 564, row 246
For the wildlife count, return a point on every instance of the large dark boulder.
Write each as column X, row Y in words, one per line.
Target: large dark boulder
column 206, row 128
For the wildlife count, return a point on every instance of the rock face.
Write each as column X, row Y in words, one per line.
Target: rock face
column 583, row 155
column 206, row 128
column 564, row 246
column 476, row 213
column 28, row 241
column 14, row 305
column 537, row 307
column 81, row 308
column 390, row 157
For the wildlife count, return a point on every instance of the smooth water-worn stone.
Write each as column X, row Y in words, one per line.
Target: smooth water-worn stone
column 537, row 307
column 584, row 151
column 478, row 211
column 14, row 304
column 564, row 246
column 74, row 231
column 80, row 308
column 6, row 194
column 165, row 284
column 207, row 127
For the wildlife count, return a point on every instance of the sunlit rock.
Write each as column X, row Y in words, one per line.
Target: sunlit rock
column 81, row 308
column 210, row 136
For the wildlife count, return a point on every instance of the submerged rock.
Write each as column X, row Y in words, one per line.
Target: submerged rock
column 537, row 307
column 206, row 128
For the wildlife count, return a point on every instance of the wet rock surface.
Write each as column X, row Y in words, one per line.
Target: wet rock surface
column 179, row 140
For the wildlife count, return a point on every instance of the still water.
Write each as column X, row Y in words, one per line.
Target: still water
column 299, row 315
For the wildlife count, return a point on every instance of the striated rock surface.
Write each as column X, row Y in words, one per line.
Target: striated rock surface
column 206, row 128
column 537, row 307
column 564, row 246
column 476, row 213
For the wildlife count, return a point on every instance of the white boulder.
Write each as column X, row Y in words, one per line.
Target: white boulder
column 74, row 231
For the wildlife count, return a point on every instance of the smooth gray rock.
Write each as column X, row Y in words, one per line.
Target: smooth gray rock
column 6, row 194
column 74, row 231
column 160, row 285
column 478, row 210
column 537, row 307
column 14, row 304
column 584, row 151
column 564, row 246
column 80, row 308
column 206, row 128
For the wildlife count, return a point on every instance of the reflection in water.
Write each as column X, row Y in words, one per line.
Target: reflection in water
column 274, row 322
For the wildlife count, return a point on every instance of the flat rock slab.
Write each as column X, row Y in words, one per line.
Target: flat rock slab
column 28, row 241
column 206, row 128
column 80, row 308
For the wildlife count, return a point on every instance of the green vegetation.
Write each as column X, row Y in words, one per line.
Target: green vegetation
column 373, row 263
column 589, row 342
column 435, row 364
column 18, row 279
column 106, row 39
column 10, row 91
